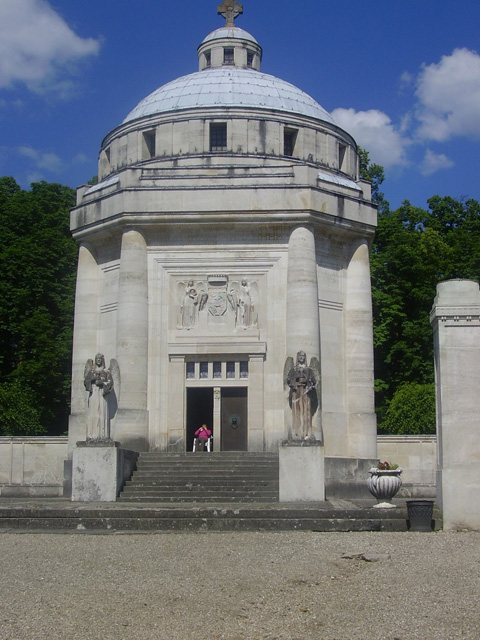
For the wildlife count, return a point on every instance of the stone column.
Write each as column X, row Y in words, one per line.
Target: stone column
column 362, row 426
column 303, row 322
column 256, row 403
column 176, row 406
column 303, row 330
column 217, row 419
column 131, row 423
column 456, row 332
column 85, row 340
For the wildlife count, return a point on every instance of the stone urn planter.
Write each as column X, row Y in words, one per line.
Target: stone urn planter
column 384, row 483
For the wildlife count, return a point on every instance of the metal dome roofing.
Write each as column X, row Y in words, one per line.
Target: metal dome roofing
column 229, row 87
column 229, row 32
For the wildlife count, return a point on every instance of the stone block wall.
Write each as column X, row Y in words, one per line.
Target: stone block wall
column 417, row 456
column 32, row 466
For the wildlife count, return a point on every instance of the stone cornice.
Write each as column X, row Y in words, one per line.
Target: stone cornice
column 456, row 316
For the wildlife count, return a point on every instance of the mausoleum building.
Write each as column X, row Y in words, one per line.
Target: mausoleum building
column 229, row 231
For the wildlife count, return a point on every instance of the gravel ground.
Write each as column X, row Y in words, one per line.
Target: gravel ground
column 240, row 586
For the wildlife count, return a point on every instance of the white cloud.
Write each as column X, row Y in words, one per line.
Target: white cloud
column 37, row 45
column 374, row 131
column 42, row 160
column 449, row 97
column 433, row 162
column 81, row 158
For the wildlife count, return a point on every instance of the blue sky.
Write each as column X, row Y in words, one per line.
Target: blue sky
column 402, row 76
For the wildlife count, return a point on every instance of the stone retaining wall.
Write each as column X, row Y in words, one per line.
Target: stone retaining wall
column 34, row 466
column 417, row 456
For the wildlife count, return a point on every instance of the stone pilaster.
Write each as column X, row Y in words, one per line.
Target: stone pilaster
column 131, row 423
column 85, row 340
column 362, row 427
column 456, row 331
column 256, row 403
column 303, row 322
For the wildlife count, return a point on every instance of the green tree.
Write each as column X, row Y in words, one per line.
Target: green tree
column 414, row 249
column 373, row 173
column 19, row 416
column 38, row 263
column 412, row 409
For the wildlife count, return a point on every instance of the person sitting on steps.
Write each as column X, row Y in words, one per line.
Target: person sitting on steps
column 202, row 434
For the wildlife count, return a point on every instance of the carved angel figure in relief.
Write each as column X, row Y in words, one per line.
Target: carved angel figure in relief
column 303, row 381
column 243, row 299
column 99, row 382
column 192, row 303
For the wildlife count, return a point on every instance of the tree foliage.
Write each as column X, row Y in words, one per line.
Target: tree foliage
column 37, row 265
column 414, row 249
column 411, row 410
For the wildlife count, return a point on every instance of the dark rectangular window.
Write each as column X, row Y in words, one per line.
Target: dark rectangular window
column 218, row 136
column 228, row 56
column 149, row 144
column 230, row 369
column 249, row 59
column 243, row 368
column 217, row 369
column 208, row 59
column 342, row 150
column 203, row 369
column 190, row 370
column 289, row 139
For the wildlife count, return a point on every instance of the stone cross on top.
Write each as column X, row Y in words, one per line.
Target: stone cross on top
column 230, row 9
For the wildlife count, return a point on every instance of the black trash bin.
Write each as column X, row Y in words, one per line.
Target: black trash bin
column 420, row 515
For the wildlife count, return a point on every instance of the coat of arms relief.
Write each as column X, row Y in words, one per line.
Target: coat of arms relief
column 217, row 300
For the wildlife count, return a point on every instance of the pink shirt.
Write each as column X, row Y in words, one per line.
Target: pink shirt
column 203, row 433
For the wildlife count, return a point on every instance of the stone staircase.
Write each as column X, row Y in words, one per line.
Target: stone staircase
column 217, row 477
column 227, row 491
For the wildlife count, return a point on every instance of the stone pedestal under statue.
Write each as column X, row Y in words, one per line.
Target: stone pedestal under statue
column 302, row 471
column 99, row 470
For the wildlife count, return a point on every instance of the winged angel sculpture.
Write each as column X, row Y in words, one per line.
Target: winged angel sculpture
column 193, row 299
column 101, row 403
column 304, row 383
column 243, row 299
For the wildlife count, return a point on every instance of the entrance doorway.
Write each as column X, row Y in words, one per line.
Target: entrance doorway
column 199, row 411
column 226, row 416
column 234, row 419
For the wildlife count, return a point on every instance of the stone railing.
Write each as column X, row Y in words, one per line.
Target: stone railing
column 32, row 466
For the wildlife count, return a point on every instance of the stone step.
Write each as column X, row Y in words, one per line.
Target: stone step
column 144, row 517
column 204, row 482
column 191, row 474
column 188, row 497
column 207, row 468
column 197, row 492
column 205, row 477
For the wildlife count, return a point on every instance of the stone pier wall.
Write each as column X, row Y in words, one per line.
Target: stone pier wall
column 34, row 466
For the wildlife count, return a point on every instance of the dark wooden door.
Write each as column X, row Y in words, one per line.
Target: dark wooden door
column 234, row 419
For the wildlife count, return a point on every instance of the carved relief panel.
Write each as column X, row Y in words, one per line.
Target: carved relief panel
column 217, row 302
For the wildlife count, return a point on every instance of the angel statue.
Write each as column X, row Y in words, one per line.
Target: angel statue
column 99, row 382
column 243, row 300
column 303, row 399
column 192, row 303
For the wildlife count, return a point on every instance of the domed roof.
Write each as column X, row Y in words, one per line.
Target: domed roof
column 229, row 32
column 229, row 87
